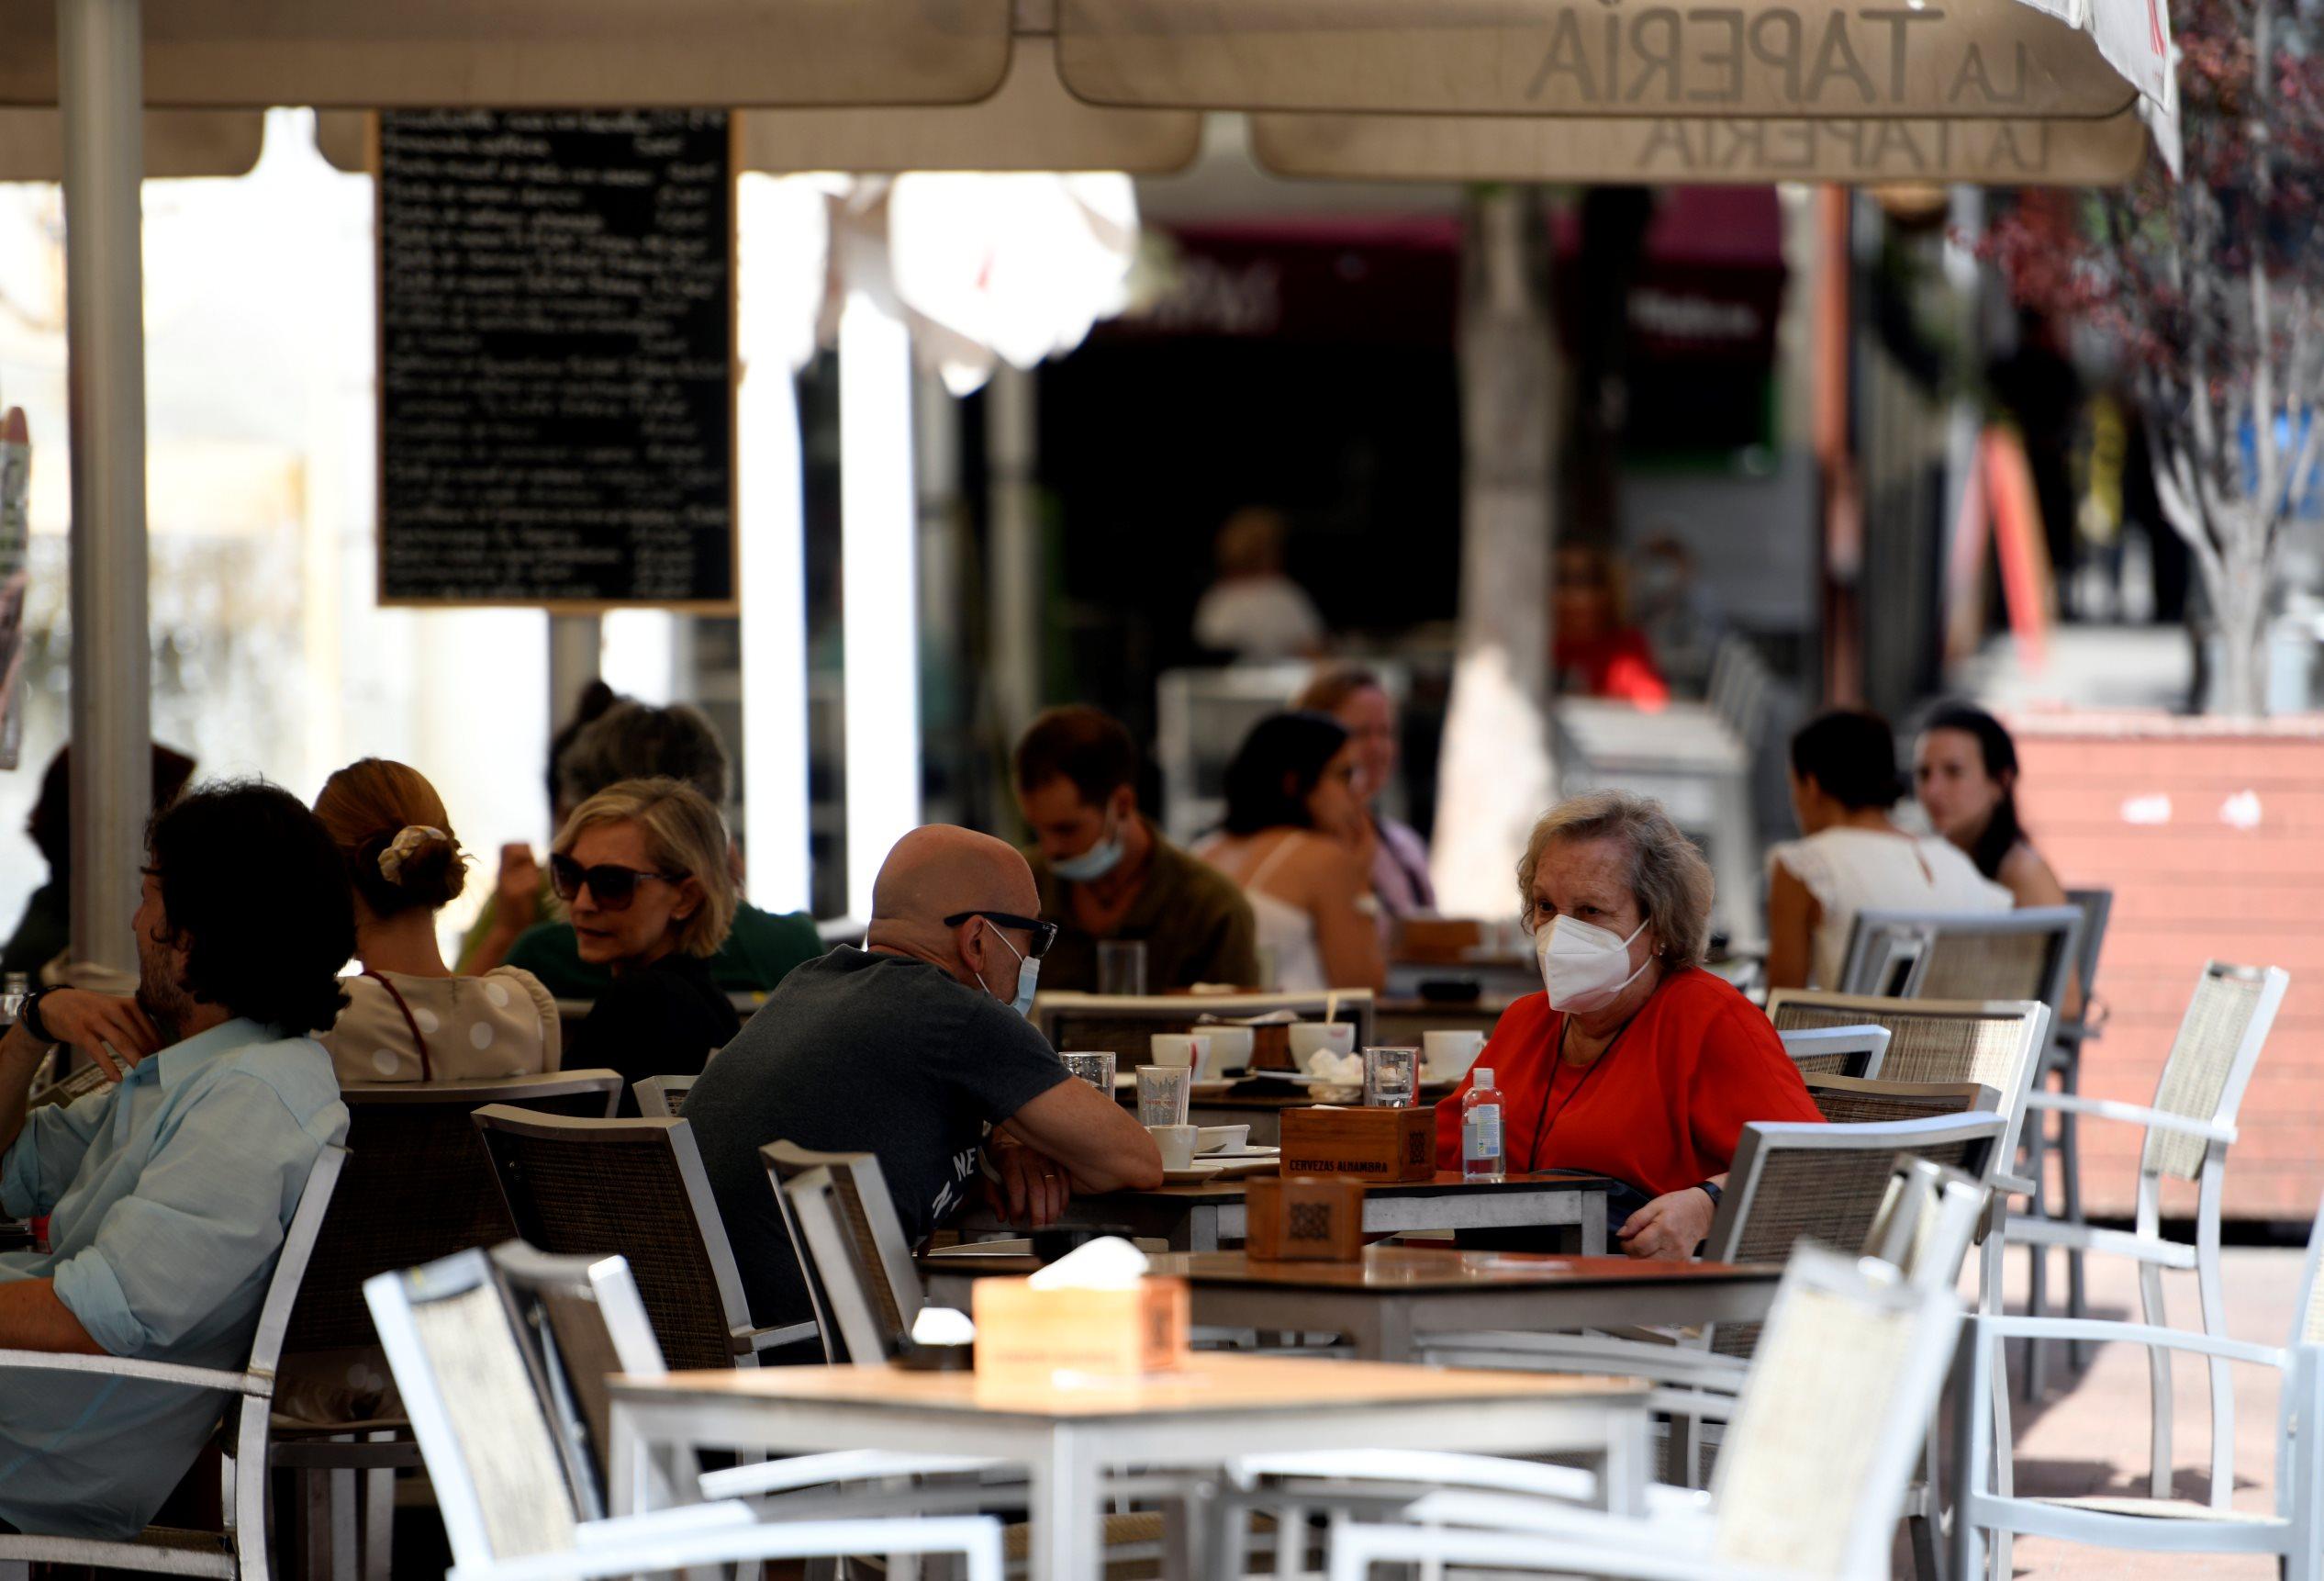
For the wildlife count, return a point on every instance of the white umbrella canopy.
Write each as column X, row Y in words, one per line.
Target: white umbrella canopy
column 177, row 143
column 1698, row 152
column 540, row 53
column 1809, row 58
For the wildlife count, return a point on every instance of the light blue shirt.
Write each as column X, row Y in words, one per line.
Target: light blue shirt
column 168, row 1197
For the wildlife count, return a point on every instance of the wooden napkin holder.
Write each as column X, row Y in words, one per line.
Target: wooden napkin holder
column 1314, row 1218
column 1370, row 1144
column 1025, row 1332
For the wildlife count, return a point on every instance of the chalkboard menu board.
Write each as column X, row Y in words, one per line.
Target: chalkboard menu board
column 556, row 371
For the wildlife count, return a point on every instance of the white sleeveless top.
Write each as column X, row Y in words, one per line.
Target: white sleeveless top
column 1851, row 871
column 1285, row 933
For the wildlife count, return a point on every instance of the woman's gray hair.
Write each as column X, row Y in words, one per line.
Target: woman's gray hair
column 1668, row 877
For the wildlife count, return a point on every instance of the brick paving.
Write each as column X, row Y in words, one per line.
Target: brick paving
column 2090, row 1435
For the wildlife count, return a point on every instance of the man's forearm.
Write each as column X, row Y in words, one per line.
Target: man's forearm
column 32, row 1318
column 19, row 1057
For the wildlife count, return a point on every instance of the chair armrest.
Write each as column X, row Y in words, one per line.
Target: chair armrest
column 1600, row 1356
column 750, row 1342
column 621, row 1530
column 144, row 1372
column 839, row 1466
column 2102, row 1331
column 1426, row 1468
column 2009, row 1186
column 2131, row 1115
column 648, row 1544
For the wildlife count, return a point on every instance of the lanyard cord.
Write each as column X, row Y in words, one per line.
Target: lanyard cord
column 1545, row 1122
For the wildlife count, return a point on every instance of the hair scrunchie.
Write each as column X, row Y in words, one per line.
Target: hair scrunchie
column 408, row 841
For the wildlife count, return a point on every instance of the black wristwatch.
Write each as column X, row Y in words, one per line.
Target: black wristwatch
column 29, row 1012
column 1710, row 1189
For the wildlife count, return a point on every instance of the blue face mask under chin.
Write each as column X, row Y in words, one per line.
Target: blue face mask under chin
column 1094, row 863
column 1028, row 974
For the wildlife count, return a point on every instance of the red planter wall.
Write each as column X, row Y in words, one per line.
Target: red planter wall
column 2234, row 872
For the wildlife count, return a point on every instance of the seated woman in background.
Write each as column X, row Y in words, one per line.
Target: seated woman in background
column 1854, row 857
column 1355, row 697
column 409, row 1017
column 1594, row 649
column 1634, row 1062
column 1299, row 840
column 641, row 868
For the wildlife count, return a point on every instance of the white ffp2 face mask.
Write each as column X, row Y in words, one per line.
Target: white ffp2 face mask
column 1581, row 964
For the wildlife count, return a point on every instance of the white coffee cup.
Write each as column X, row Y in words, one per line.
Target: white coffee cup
column 1176, row 1144
column 1230, row 1050
column 1338, row 1038
column 1191, row 1050
column 1446, row 1055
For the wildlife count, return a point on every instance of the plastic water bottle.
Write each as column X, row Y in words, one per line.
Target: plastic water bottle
column 1481, row 1129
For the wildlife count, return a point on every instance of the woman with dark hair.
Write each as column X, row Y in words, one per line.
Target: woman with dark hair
column 1354, row 696
column 409, row 1017
column 1854, row 858
column 1965, row 772
column 1299, row 841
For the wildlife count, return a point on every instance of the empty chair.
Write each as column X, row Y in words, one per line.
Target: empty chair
column 2293, row 1532
column 851, row 1246
column 2064, row 1060
column 502, row 1451
column 241, row 1549
column 1846, row 1100
column 591, row 1188
column 1838, row 1050
column 1823, row 1444
column 2028, row 954
column 661, row 1097
column 2189, row 1128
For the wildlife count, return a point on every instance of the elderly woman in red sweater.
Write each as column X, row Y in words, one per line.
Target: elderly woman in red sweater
column 1635, row 1063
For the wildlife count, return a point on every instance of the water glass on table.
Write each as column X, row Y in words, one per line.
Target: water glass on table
column 1391, row 1078
column 1093, row 1068
column 1122, row 966
column 1164, row 1094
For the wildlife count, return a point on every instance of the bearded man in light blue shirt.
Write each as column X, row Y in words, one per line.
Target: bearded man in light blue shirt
column 168, row 1192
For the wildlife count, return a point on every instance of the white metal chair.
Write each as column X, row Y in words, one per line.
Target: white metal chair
column 661, row 1097
column 240, row 1550
column 2064, row 1060
column 2293, row 1532
column 1823, row 1442
column 2028, row 954
column 1838, row 1050
column 512, row 1486
column 2189, row 1128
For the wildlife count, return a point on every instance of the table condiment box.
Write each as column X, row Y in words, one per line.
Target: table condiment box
column 1309, row 1218
column 1107, row 1333
column 1370, row 1144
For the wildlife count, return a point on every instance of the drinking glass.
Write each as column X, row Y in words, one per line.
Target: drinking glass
column 1164, row 1091
column 1391, row 1078
column 1122, row 966
column 1095, row 1069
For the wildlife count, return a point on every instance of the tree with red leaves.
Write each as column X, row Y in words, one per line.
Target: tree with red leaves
column 2212, row 284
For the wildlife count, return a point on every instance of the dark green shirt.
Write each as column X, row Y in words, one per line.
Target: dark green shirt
column 759, row 953
column 1196, row 925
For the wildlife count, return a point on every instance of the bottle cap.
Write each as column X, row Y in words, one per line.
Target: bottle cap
column 1484, row 1082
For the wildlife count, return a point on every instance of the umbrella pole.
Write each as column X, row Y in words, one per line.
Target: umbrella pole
column 100, row 61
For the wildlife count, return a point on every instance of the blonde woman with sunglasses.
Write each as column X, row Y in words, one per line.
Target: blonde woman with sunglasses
column 641, row 869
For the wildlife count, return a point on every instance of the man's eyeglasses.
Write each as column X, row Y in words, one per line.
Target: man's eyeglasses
column 614, row 887
column 1045, row 934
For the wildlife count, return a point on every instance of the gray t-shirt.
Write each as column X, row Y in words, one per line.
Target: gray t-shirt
column 859, row 1052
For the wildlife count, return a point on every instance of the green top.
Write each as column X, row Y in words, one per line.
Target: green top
column 759, row 953
column 1196, row 925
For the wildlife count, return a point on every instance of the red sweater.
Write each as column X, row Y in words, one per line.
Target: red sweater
column 1660, row 1109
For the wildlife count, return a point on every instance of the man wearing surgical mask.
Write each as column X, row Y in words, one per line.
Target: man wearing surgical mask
column 1105, row 872
column 1634, row 1062
column 916, row 1049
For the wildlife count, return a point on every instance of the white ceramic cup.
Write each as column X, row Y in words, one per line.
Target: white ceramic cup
column 1446, row 1055
column 1230, row 1050
column 1191, row 1050
column 1176, row 1144
column 1307, row 1037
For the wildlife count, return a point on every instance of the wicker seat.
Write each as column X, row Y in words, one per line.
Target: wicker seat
column 2028, row 954
column 240, row 1550
column 636, row 1189
column 1126, row 1024
column 507, row 1450
column 1846, row 1100
column 1995, row 1043
column 661, row 1097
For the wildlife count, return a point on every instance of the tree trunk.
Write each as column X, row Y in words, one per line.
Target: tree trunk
column 2239, row 602
column 1494, row 774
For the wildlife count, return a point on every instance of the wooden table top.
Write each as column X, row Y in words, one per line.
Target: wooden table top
column 1225, row 1190
column 1397, row 1270
column 1210, row 1382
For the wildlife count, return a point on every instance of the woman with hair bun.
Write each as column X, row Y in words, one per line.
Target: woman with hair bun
column 1854, row 857
column 409, row 1017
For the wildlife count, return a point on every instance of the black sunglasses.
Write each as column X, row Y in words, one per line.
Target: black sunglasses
column 1045, row 934
column 611, row 886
